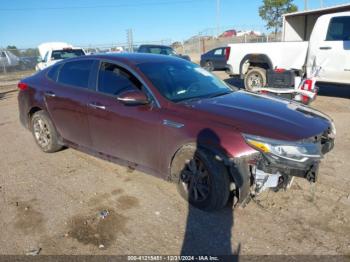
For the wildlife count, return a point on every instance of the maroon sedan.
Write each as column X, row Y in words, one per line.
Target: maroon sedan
column 171, row 118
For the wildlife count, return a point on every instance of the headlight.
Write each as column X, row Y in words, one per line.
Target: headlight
column 295, row 151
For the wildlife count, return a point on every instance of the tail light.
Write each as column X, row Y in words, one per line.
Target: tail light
column 307, row 85
column 280, row 70
column 227, row 52
column 305, row 99
column 22, row 86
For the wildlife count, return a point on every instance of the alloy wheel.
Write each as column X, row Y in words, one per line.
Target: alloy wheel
column 41, row 132
column 195, row 180
column 209, row 66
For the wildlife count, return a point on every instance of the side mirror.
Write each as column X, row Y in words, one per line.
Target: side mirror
column 133, row 97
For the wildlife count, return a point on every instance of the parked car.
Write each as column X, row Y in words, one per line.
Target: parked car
column 28, row 62
column 228, row 33
column 51, row 53
column 323, row 42
column 161, row 50
column 8, row 60
column 215, row 59
column 174, row 119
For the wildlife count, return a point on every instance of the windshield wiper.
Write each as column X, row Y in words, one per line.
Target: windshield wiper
column 189, row 99
column 219, row 94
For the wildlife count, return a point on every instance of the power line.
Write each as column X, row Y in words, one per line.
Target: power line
column 97, row 6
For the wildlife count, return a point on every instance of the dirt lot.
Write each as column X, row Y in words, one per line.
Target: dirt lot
column 52, row 202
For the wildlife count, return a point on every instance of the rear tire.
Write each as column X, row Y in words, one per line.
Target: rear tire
column 198, row 173
column 44, row 132
column 209, row 66
column 255, row 78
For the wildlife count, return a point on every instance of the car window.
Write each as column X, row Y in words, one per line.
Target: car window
column 161, row 50
column 218, row 51
column 339, row 29
column 66, row 53
column 113, row 79
column 46, row 56
column 76, row 73
column 2, row 54
column 182, row 80
column 143, row 49
column 53, row 72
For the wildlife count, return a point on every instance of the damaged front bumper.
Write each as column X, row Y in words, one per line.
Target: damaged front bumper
column 262, row 171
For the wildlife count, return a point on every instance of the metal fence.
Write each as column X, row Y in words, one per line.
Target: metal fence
column 13, row 59
column 197, row 46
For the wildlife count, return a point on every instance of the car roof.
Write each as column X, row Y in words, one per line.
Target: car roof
column 155, row 46
column 133, row 58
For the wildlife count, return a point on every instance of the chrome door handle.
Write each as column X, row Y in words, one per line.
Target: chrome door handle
column 170, row 123
column 94, row 105
column 50, row 93
column 325, row 48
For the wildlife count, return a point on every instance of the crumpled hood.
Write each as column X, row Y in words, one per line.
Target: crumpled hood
column 265, row 116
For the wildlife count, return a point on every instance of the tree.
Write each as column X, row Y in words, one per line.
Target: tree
column 272, row 10
column 13, row 49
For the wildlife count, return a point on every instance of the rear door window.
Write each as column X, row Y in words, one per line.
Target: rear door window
column 218, row 52
column 76, row 73
column 339, row 29
column 113, row 79
column 53, row 72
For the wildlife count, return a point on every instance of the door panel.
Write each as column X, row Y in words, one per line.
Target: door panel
column 333, row 54
column 68, row 110
column 334, row 58
column 127, row 132
column 67, row 99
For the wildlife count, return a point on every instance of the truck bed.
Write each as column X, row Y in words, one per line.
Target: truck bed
column 289, row 55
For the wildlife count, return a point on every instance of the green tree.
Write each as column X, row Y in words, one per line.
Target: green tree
column 13, row 49
column 272, row 10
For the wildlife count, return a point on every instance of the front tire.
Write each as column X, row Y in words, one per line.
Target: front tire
column 255, row 78
column 202, row 180
column 44, row 132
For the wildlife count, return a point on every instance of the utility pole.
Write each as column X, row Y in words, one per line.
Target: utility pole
column 130, row 40
column 305, row 4
column 217, row 18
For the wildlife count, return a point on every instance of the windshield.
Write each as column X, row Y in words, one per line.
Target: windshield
column 162, row 50
column 181, row 80
column 66, row 53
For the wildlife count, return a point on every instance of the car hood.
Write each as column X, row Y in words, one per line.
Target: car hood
column 264, row 116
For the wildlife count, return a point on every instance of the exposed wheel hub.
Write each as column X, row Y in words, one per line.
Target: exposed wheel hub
column 255, row 80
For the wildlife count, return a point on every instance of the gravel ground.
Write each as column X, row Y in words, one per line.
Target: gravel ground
column 53, row 202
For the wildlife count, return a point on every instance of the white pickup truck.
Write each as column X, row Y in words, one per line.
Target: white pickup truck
column 51, row 53
column 310, row 40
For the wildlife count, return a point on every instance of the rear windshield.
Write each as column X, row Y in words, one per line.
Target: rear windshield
column 160, row 50
column 67, row 53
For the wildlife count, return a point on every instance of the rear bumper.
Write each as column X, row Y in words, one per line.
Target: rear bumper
column 22, row 110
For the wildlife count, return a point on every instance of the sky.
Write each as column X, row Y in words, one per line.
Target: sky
column 27, row 23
